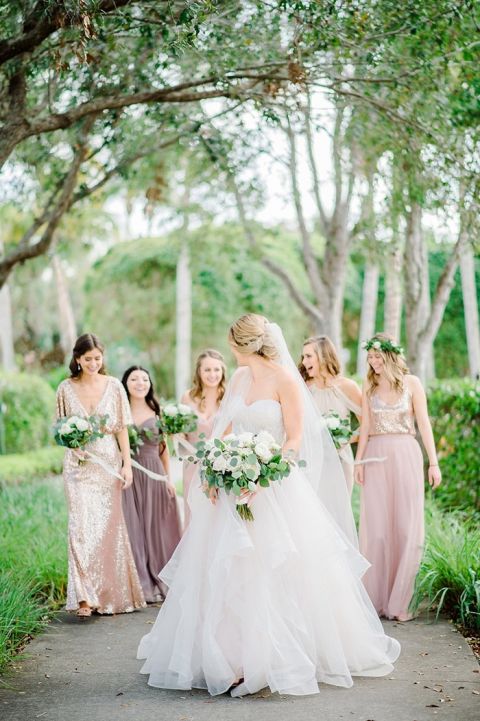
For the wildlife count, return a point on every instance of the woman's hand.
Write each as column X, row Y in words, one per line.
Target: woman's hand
column 358, row 475
column 434, row 476
column 127, row 477
column 213, row 494
column 171, row 490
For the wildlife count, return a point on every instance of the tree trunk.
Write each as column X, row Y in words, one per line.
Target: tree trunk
column 183, row 321
column 470, row 309
column 368, row 312
column 66, row 316
column 415, row 293
column 393, row 294
column 6, row 330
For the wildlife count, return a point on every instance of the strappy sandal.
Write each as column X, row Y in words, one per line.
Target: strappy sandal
column 83, row 612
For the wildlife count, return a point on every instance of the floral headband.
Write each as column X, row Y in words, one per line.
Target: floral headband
column 382, row 344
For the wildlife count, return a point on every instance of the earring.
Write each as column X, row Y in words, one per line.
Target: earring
column 79, row 367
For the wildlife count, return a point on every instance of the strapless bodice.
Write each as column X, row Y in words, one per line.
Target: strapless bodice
column 261, row 415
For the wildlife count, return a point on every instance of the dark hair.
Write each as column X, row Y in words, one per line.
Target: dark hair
column 84, row 343
column 150, row 398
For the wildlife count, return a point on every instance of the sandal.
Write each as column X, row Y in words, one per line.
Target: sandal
column 83, row 612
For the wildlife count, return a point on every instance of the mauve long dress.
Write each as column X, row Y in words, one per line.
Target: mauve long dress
column 151, row 515
column 391, row 507
column 334, row 399
column 101, row 568
column 205, row 427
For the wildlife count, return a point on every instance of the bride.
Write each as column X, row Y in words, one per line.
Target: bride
column 277, row 601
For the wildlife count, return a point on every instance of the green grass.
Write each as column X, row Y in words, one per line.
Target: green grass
column 21, row 467
column 449, row 576
column 33, row 560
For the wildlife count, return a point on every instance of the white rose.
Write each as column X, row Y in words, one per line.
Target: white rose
column 364, row 344
column 82, row 424
column 254, row 469
column 265, row 438
column 65, row 429
column 220, row 464
column 184, row 410
column 263, row 452
column 377, row 345
column 170, row 411
column 333, row 423
column 245, row 438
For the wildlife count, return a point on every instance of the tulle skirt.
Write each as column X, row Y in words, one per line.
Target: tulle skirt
column 275, row 602
column 391, row 522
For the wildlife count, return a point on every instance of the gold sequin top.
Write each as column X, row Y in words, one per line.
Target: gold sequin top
column 392, row 417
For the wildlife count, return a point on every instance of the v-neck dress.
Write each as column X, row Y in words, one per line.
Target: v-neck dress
column 151, row 515
column 101, row 568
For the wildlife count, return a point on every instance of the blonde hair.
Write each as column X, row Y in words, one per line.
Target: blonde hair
column 395, row 367
column 326, row 354
column 249, row 334
column 197, row 391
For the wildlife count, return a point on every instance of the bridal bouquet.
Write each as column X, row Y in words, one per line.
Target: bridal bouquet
column 241, row 463
column 340, row 429
column 75, row 432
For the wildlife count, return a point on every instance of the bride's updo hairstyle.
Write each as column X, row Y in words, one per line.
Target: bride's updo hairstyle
column 249, row 334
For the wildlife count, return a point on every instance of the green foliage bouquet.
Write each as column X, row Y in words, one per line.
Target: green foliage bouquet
column 176, row 418
column 75, row 432
column 339, row 428
column 241, row 463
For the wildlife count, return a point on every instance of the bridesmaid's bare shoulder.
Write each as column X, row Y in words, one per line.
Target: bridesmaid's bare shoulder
column 413, row 383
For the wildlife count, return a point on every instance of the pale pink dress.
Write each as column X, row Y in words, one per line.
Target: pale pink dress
column 391, row 508
column 101, row 568
column 205, row 427
column 334, row 399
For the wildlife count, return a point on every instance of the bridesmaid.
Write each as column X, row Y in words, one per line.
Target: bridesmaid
column 150, row 507
column 101, row 569
column 391, row 508
column 320, row 368
column 208, row 388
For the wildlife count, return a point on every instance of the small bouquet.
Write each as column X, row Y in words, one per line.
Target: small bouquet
column 339, row 428
column 241, row 463
column 176, row 418
column 75, row 432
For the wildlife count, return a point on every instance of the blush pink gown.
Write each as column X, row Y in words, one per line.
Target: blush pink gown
column 205, row 427
column 391, row 508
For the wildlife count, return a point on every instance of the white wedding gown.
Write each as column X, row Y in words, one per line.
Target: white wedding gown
column 277, row 601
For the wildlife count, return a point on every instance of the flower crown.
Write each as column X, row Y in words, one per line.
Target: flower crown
column 382, row 344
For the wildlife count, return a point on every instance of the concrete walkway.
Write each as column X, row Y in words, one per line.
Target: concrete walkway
column 87, row 671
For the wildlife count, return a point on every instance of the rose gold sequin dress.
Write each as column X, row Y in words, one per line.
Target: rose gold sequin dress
column 391, row 509
column 101, row 569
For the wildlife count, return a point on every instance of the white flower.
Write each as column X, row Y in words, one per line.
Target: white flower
column 230, row 437
column 333, row 423
column 245, row 438
column 220, row 464
column 364, row 344
column 263, row 452
column 184, row 410
column 170, row 411
column 254, row 471
column 377, row 345
column 265, row 438
column 65, row 429
column 82, row 424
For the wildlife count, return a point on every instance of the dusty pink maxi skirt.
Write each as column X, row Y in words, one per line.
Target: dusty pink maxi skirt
column 392, row 522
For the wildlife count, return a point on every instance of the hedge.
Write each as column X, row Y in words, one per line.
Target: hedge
column 27, row 410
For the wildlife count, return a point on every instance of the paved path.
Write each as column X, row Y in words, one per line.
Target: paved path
column 87, row 671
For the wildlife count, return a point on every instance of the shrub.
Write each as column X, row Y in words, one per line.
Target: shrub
column 449, row 575
column 454, row 408
column 16, row 467
column 28, row 405
column 33, row 560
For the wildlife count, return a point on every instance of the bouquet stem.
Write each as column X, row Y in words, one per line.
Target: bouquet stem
column 245, row 512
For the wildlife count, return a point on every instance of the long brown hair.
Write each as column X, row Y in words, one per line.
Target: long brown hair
column 326, row 353
column 395, row 367
column 84, row 343
column 196, row 391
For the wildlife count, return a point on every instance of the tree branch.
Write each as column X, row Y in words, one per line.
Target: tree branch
column 313, row 165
